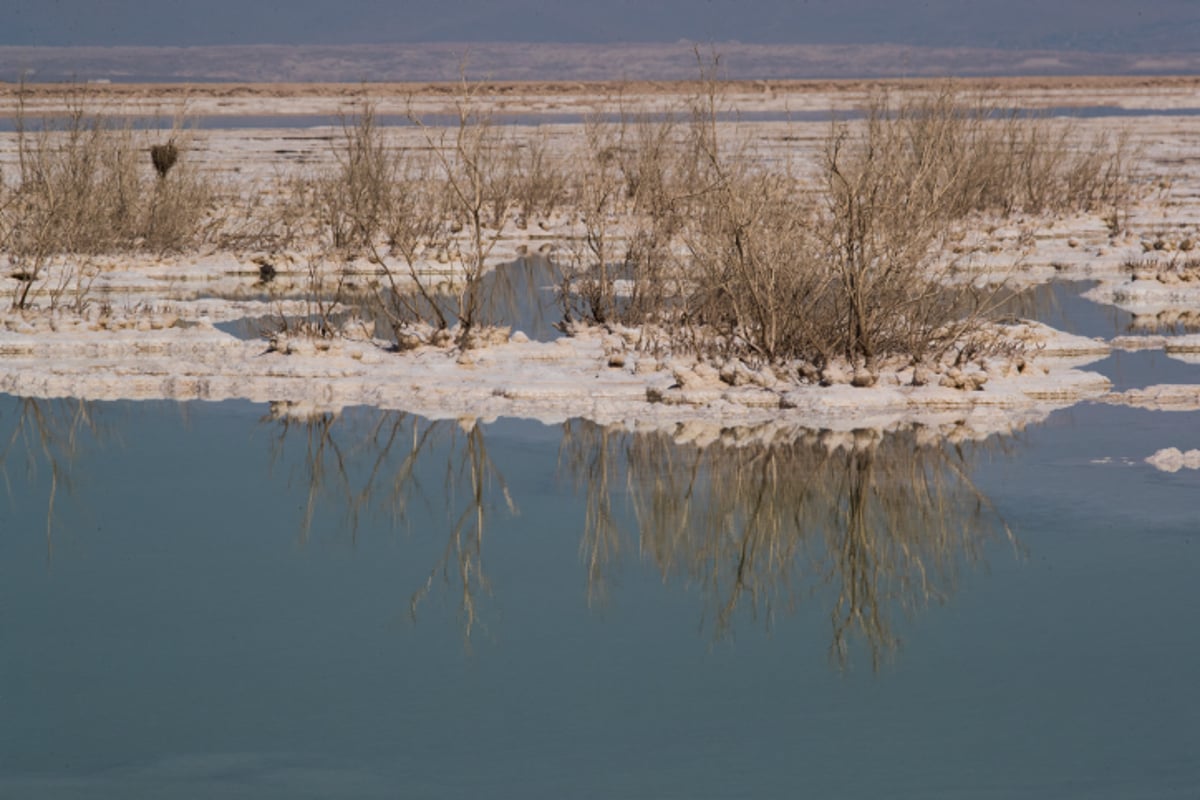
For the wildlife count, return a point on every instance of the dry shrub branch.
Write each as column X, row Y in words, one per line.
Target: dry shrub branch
column 678, row 226
column 739, row 259
column 428, row 219
column 86, row 187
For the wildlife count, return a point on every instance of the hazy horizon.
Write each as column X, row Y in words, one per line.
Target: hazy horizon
column 1107, row 26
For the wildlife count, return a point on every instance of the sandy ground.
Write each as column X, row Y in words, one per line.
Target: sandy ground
column 155, row 337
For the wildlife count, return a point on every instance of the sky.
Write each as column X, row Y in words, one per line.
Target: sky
column 1135, row 26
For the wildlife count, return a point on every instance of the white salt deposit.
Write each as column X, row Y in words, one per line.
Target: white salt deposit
column 1172, row 459
column 155, row 337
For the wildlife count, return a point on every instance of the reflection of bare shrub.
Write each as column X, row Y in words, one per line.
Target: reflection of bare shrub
column 379, row 468
column 47, row 434
column 881, row 520
column 591, row 456
column 471, row 474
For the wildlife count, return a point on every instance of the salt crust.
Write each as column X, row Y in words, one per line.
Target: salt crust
column 161, row 343
column 546, row 381
column 1172, row 459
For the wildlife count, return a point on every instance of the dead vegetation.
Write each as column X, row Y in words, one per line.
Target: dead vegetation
column 82, row 188
column 668, row 222
column 422, row 223
column 1170, row 271
column 727, row 257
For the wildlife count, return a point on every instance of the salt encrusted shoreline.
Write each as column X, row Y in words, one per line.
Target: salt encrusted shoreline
column 156, row 337
column 576, row 376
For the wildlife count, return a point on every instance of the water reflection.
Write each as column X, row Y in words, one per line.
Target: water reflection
column 522, row 295
column 1166, row 321
column 379, row 462
column 1063, row 305
column 46, row 434
column 880, row 521
column 760, row 520
column 868, row 525
column 302, row 121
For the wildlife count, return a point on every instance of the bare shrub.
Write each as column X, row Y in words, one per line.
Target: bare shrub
column 1011, row 161
column 596, row 190
column 164, row 156
column 892, row 194
column 756, row 288
column 471, row 161
column 629, row 189
column 81, row 191
column 78, row 189
column 324, row 292
column 427, row 220
column 355, row 200
column 759, row 290
column 539, row 180
column 440, row 211
column 899, row 189
column 179, row 211
column 725, row 257
column 686, row 233
column 282, row 214
column 864, row 273
column 375, row 203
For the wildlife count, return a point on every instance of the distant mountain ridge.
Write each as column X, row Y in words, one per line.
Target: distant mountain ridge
column 560, row 62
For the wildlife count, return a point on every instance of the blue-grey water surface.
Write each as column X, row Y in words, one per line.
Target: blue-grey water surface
column 228, row 602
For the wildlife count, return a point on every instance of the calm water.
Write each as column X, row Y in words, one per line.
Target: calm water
column 273, row 121
column 523, row 295
column 1060, row 305
column 230, row 603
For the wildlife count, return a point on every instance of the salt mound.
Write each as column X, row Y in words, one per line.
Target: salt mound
column 1172, row 460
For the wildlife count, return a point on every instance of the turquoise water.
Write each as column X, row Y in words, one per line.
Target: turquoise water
column 229, row 604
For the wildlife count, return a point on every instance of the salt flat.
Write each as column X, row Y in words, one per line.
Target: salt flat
column 152, row 334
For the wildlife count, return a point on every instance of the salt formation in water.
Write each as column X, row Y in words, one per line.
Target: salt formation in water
column 1172, row 459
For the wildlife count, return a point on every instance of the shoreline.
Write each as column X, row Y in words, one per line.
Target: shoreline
column 550, row 382
column 218, row 99
column 160, row 341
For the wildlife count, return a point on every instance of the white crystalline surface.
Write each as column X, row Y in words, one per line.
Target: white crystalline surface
column 548, row 381
column 1172, row 459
